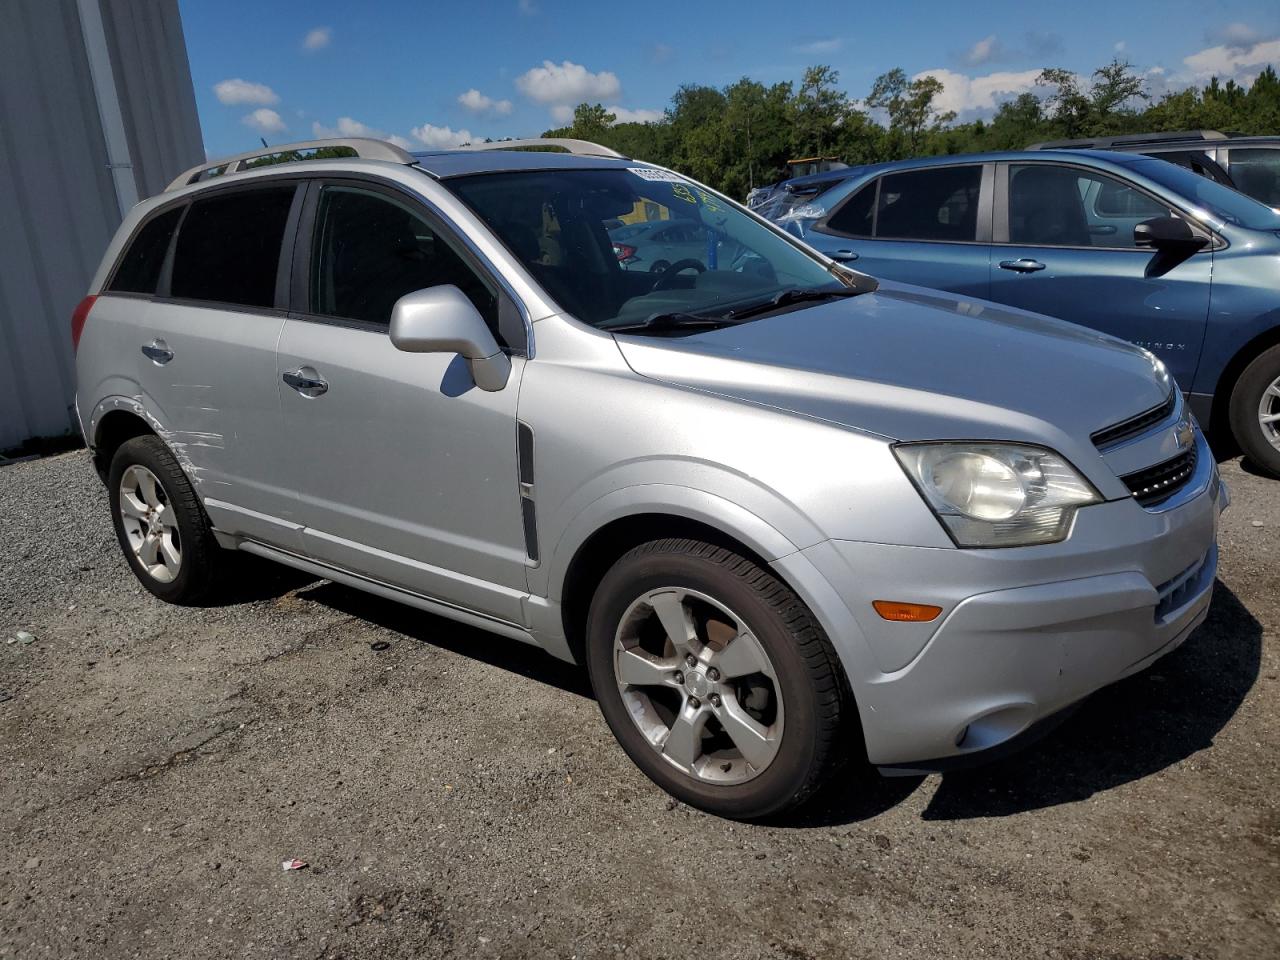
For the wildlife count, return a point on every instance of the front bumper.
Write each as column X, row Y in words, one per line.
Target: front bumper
column 1024, row 632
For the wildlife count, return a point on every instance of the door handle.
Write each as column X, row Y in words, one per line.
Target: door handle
column 306, row 381
column 843, row 256
column 158, row 352
column 1024, row 265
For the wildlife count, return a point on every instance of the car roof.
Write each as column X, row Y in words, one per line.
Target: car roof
column 444, row 164
column 1102, row 158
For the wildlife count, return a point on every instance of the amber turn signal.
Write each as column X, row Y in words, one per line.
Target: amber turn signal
column 906, row 612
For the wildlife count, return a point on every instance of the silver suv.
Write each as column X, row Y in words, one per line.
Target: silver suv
column 782, row 513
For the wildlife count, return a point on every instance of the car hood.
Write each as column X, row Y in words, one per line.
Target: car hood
column 909, row 363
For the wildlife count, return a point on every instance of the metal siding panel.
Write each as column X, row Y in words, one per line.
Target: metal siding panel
column 57, row 202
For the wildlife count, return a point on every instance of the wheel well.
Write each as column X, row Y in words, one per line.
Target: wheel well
column 1231, row 373
column 602, row 550
column 117, row 427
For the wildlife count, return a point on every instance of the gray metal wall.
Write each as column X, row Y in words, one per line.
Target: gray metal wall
column 58, row 201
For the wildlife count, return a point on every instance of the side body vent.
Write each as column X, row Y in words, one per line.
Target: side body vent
column 524, row 470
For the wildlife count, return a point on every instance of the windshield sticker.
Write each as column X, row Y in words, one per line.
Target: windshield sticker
column 710, row 202
column 649, row 173
column 684, row 193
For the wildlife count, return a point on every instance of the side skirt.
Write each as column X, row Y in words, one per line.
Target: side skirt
column 438, row 607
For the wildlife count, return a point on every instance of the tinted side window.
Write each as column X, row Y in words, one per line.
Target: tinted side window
column 937, row 204
column 1070, row 207
column 1257, row 173
column 139, row 269
column 855, row 216
column 229, row 247
column 368, row 251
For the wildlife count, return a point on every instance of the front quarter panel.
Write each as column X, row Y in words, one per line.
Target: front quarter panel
column 610, row 443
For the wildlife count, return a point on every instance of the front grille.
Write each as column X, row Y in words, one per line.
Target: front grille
column 1154, row 485
column 1118, row 432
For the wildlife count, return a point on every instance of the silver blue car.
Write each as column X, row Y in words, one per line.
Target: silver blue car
column 782, row 512
column 1127, row 244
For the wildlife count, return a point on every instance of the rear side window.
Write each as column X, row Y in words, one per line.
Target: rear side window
column 932, row 204
column 854, row 218
column 139, row 269
column 369, row 250
column 229, row 247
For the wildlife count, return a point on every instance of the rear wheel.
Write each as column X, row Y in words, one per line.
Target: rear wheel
column 714, row 678
column 1255, row 411
column 161, row 527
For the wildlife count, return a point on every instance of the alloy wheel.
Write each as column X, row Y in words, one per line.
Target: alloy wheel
column 1269, row 413
column 698, row 685
column 150, row 523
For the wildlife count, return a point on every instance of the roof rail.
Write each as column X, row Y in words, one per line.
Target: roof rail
column 579, row 148
column 1132, row 139
column 364, row 147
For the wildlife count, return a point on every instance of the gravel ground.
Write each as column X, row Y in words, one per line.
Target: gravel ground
column 458, row 795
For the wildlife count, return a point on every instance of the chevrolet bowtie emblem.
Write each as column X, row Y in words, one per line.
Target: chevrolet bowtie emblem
column 1185, row 434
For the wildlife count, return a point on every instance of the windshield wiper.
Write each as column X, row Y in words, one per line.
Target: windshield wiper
column 660, row 322
column 787, row 297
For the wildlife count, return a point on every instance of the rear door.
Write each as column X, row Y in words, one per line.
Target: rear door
column 206, row 348
column 404, row 469
column 1064, row 247
column 930, row 227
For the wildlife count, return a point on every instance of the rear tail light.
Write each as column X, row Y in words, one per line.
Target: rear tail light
column 78, row 318
column 623, row 252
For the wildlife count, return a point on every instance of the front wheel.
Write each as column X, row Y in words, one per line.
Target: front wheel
column 1255, row 411
column 714, row 678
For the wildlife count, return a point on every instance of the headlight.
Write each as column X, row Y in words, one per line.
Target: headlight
column 997, row 494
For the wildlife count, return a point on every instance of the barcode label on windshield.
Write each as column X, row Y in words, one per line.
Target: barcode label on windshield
column 649, row 173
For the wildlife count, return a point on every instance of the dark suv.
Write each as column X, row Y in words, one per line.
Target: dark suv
column 1249, row 164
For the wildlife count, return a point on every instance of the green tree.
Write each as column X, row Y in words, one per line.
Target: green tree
column 909, row 104
column 818, row 109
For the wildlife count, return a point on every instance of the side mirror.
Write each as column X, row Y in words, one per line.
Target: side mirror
column 1168, row 234
column 442, row 320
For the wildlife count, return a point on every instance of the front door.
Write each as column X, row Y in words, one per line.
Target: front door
column 404, row 469
column 1064, row 247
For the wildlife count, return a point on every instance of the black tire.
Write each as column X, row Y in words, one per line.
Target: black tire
column 199, row 573
column 1246, row 398
column 659, row 266
column 809, row 676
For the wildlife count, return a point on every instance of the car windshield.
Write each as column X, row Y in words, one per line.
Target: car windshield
column 681, row 251
column 1220, row 202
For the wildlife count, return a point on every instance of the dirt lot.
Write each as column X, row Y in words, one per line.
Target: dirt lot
column 458, row 795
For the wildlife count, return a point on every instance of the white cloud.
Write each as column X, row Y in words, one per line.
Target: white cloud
column 662, row 52
column 965, row 94
column 1119, row 47
column 825, row 45
column 527, row 7
column 1235, row 35
column 349, row 127
column 983, row 51
column 1233, row 63
column 625, row 115
column 562, row 114
column 477, row 102
column 237, row 91
column 567, row 83
column 441, row 137
column 264, row 120
column 317, row 38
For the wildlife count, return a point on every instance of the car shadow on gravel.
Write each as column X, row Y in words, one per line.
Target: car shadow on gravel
column 488, row 648
column 1127, row 731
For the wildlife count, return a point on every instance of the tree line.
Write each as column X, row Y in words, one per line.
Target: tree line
column 742, row 135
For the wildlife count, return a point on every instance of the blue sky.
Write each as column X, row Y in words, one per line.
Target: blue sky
column 432, row 74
